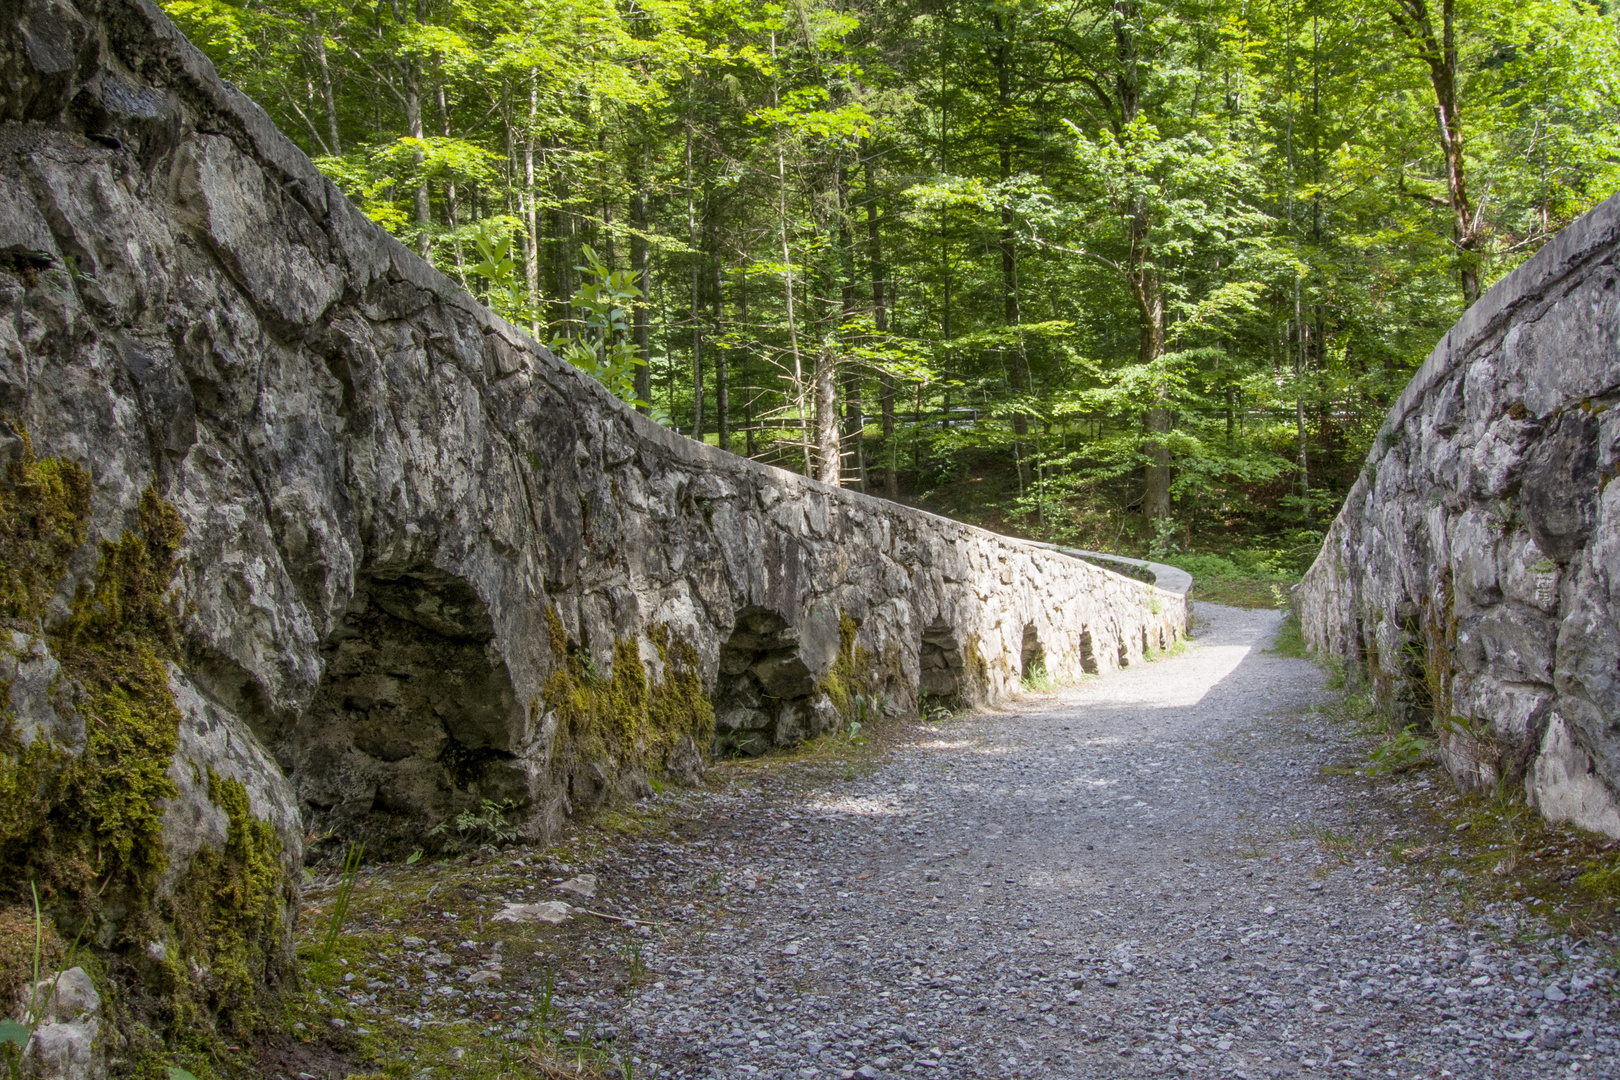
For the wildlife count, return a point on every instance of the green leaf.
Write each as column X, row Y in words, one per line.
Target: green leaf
column 179, row 1074
column 13, row 1032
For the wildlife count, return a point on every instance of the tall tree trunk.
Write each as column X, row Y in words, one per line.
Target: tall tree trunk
column 1018, row 361
column 696, row 308
column 531, row 215
column 854, row 411
column 1141, row 275
column 722, row 389
column 880, row 319
column 1439, row 51
column 829, row 458
column 318, row 40
column 1299, row 406
column 610, row 254
column 413, row 124
column 562, row 250
column 1156, row 474
column 641, row 263
column 748, row 387
column 787, row 282
column 451, row 209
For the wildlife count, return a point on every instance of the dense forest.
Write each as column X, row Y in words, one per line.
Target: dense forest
column 1140, row 274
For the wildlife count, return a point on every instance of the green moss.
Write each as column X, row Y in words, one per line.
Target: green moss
column 227, row 914
column 99, row 834
column 679, row 704
column 86, row 827
column 976, row 670
column 856, row 680
column 625, row 721
column 44, row 519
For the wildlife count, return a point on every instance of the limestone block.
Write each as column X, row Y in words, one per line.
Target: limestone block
column 1564, row 784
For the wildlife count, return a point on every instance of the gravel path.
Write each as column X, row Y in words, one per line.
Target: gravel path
column 1144, row 873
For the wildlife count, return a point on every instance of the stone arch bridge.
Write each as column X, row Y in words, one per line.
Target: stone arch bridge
column 396, row 560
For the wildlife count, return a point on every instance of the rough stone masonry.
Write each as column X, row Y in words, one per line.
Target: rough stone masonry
column 390, row 559
column 1474, row 572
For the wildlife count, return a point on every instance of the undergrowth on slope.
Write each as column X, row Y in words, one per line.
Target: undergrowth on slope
column 1246, row 577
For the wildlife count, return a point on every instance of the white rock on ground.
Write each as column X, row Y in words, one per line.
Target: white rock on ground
column 64, row 1010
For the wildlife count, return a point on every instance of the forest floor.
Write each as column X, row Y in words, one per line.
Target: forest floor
column 1184, row 867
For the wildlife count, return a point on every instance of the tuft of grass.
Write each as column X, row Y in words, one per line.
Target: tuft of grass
column 340, row 909
column 1037, row 679
column 1177, row 649
column 1290, row 640
column 632, row 953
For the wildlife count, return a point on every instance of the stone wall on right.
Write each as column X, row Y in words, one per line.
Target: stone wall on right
column 1473, row 575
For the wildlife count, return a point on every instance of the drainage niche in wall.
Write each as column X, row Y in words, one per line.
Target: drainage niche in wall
column 941, row 682
column 765, row 695
column 1088, row 653
column 1032, row 659
column 415, row 718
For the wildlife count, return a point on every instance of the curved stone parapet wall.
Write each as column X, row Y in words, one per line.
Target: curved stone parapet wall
column 1474, row 572
column 424, row 564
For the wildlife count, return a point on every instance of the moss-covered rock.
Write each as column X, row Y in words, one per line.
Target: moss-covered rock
column 621, row 727
column 83, row 820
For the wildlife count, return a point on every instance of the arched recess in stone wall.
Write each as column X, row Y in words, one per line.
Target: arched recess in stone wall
column 415, row 718
column 1032, row 654
column 765, row 694
column 942, row 664
column 1088, row 653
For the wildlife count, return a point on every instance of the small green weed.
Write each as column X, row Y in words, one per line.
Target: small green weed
column 1290, row 640
column 487, row 827
column 14, row 1036
column 1401, row 752
column 1037, row 679
column 632, row 951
